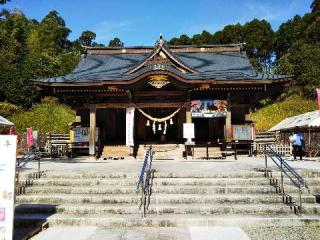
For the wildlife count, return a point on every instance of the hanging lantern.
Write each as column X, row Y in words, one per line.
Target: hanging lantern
column 148, row 123
column 171, row 122
column 159, row 127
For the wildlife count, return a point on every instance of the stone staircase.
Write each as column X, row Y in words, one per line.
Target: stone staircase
column 179, row 199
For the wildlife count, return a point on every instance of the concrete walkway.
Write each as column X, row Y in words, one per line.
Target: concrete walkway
column 85, row 164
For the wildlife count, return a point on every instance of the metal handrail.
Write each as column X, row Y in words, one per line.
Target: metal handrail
column 31, row 155
column 289, row 171
column 145, row 181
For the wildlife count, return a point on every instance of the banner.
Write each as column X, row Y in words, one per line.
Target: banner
column 8, row 146
column 29, row 137
column 318, row 98
column 208, row 108
column 129, row 126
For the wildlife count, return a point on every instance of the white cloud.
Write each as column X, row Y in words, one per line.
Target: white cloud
column 107, row 30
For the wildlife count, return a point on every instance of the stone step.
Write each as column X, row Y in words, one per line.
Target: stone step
column 156, row 199
column 163, row 181
column 169, row 220
column 182, row 174
column 156, row 181
column 159, row 209
column 159, row 189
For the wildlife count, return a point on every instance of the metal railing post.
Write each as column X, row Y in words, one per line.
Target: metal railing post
column 265, row 160
column 282, row 185
column 39, row 166
column 300, row 200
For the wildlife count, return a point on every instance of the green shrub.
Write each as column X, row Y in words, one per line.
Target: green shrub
column 45, row 117
column 271, row 115
column 8, row 109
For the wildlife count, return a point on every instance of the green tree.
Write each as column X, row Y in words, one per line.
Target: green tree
column 303, row 62
column 116, row 42
column 288, row 33
column 229, row 34
column 182, row 40
column 50, row 36
column 15, row 86
column 204, row 38
column 87, row 38
column 315, row 6
column 259, row 38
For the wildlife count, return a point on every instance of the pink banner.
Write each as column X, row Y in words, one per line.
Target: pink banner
column 29, row 137
column 318, row 97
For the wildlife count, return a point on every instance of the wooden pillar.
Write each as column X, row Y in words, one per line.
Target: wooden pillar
column 188, row 119
column 92, row 142
column 228, row 120
column 188, row 115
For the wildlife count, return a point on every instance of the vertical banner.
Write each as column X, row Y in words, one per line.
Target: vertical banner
column 318, row 98
column 129, row 126
column 29, row 137
column 8, row 146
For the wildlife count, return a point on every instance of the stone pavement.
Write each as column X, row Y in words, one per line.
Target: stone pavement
column 189, row 233
column 130, row 165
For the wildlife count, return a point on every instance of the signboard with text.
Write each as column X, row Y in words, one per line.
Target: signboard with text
column 8, row 146
column 208, row 108
column 129, row 126
column 188, row 130
column 81, row 135
column 243, row 132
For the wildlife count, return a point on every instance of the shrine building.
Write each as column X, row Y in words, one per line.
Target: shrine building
column 145, row 95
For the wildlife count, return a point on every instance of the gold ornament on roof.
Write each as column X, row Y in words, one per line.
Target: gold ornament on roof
column 158, row 81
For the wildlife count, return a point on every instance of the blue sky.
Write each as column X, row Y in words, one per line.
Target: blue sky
column 139, row 22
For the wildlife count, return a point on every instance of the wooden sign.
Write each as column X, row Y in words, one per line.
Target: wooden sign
column 129, row 126
column 188, row 130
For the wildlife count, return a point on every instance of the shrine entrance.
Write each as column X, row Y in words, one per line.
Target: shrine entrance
column 209, row 129
column 150, row 131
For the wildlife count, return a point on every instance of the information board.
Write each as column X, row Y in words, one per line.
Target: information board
column 243, row 132
column 8, row 146
column 81, row 135
column 188, row 130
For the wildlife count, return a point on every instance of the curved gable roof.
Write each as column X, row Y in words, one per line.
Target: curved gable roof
column 209, row 62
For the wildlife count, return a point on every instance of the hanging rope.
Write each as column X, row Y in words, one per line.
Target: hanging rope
column 159, row 120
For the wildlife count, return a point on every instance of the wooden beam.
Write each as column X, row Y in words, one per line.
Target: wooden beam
column 143, row 105
column 158, row 93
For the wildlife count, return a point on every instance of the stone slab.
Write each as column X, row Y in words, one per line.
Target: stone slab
column 217, row 233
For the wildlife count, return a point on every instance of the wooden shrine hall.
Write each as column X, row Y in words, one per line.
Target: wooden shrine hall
column 145, row 95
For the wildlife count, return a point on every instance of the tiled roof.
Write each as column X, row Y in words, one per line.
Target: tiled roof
column 233, row 65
